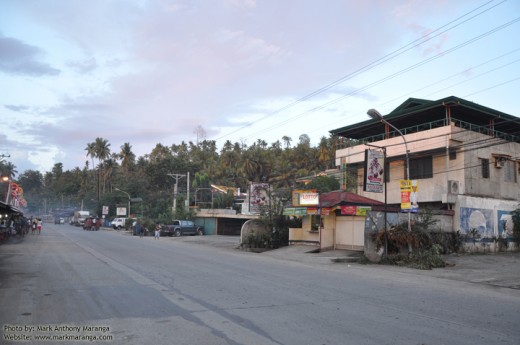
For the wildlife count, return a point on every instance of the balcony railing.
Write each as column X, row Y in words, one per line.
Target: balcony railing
column 344, row 142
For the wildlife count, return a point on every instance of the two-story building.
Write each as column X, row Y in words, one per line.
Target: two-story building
column 463, row 156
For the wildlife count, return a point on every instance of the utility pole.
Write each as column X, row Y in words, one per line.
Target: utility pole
column 176, row 177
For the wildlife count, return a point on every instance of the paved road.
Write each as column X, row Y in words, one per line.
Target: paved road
column 133, row 290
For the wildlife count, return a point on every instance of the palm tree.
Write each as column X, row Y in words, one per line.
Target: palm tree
column 287, row 140
column 8, row 169
column 324, row 156
column 127, row 157
column 102, row 152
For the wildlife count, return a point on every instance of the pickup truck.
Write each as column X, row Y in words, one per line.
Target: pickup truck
column 182, row 227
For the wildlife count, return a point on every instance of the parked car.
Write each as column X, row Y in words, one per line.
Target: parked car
column 92, row 223
column 118, row 223
column 182, row 227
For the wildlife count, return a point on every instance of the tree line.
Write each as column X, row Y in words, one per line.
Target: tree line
column 110, row 176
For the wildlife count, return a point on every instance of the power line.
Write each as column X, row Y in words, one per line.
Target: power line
column 391, row 76
column 378, row 62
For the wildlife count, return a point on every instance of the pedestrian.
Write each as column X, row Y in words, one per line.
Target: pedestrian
column 34, row 225
column 138, row 228
column 39, row 225
column 157, row 231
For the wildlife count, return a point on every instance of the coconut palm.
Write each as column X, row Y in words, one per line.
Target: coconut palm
column 127, row 158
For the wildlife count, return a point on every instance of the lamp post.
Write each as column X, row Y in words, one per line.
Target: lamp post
column 376, row 115
column 122, row 191
column 385, row 253
column 7, row 179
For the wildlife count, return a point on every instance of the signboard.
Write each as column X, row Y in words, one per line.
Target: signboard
column 325, row 211
column 296, row 199
column 313, row 210
column 409, row 195
column 121, row 211
column 105, row 210
column 348, row 210
column 308, row 199
column 355, row 210
column 374, row 171
column 258, row 196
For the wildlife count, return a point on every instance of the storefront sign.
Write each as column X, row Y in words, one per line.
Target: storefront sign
column 309, row 199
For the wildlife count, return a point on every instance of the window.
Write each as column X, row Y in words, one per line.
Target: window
column 315, row 222
column 510, row 171
column 485, row 167
column 453, row 155
column 421, row 168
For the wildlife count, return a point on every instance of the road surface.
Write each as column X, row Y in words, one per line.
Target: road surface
column 69, row 286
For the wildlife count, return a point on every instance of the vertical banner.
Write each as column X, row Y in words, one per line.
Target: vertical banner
column 409, row 195
column 374, row 171
column 344, row 183
column 406, row 188
column 414, row 195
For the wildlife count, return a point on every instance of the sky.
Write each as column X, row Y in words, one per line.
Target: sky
column 153, row 71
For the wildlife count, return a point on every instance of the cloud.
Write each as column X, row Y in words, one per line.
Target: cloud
column 17, row 108
column 83, row 66
column 17, row 57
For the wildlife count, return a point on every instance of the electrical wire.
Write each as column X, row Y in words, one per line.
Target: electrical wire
column 391, row 76
column 378, row 62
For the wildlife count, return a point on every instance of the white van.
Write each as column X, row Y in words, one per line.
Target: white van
column 118, row 223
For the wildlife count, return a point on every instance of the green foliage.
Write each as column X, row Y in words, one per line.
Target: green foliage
column 257, row 240
column 427, row 242
column 324, row 184
column 147, row 177
column 424, row 259
column 223, row 200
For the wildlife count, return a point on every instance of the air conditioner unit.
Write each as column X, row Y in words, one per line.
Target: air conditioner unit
column 500, row 162
column 453, row 187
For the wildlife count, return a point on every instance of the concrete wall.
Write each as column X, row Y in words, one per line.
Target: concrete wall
column 496, row 186
column 490, row 217
column 252, row 226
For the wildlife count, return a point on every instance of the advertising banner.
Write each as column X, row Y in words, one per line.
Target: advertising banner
column 258, row 196
column 374, row 171
column 409, row 195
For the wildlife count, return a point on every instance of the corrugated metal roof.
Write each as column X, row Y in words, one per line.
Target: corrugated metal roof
column 416, row 111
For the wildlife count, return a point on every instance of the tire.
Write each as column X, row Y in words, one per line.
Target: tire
column 178, row 233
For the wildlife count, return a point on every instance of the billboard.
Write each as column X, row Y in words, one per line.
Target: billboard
column 374, row 171
column 258, row 196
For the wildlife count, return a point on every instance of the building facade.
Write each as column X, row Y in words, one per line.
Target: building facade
column 463, row 157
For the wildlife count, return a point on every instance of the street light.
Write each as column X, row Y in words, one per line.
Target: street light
column 7, row 179
column 122, row 191
column 376, row 115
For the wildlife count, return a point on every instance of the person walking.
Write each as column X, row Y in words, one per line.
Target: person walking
column 157, row 231
column 39, row 226
column 138, row 228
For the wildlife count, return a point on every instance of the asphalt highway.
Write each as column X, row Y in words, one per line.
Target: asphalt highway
column 68, row 285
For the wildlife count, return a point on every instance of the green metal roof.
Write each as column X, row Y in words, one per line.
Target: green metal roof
column 415, row 111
